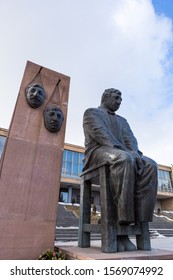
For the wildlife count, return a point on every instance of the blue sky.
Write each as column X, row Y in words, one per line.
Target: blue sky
column 126, row 44
column 163, row 7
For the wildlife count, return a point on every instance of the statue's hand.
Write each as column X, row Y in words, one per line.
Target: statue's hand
column 139, row 166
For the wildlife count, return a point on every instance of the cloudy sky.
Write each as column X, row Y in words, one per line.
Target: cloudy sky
column 126, row 44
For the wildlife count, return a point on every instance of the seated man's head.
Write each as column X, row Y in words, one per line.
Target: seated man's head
column 53, row 118
column 111, row 99
column 35, row 95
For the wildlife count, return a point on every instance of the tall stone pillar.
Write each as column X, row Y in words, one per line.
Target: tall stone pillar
column 69, row 194
column 31, row 164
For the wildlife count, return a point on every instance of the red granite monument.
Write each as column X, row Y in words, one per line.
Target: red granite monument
column 31, row 164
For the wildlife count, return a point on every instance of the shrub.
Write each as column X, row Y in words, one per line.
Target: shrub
column 52, row 255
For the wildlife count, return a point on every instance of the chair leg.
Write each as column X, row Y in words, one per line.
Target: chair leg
column 143, row 240
column 108, row 225
column 85, row 213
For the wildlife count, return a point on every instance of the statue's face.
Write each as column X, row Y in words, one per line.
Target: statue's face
column 35, row 95
column 113, row 102
column 53, row 119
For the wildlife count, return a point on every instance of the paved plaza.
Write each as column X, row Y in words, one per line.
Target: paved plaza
column 162, row 248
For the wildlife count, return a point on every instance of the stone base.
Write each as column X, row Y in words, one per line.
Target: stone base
column 94, row 253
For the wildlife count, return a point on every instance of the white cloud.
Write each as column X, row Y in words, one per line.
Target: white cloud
column 100, row 44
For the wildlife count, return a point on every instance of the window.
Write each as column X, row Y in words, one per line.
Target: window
column 164, row 181
column 78, row 199
column 2, row 143
column 63, row 197
column 72, row 164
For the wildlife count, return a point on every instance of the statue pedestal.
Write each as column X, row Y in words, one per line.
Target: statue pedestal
column 73, row 252
column 31, row 169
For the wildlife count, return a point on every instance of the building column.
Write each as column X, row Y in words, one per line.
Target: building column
column 69, row 194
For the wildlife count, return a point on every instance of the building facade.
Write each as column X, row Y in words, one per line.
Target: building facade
column 72, row 164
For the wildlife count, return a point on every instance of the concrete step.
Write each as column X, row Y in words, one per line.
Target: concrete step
column 71, row 234
column 66, row 218
column 66, row 234
column 67, row 226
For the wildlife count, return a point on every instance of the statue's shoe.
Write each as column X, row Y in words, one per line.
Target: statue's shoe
column 128, row 245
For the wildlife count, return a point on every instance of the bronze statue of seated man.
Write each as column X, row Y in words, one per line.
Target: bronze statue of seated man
column 133, row 176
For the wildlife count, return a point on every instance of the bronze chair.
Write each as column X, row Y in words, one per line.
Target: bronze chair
column 108, row 227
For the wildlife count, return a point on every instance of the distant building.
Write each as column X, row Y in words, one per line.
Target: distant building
column 72, row 168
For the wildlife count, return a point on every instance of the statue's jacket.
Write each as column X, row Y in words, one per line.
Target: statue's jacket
column 103, row 128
